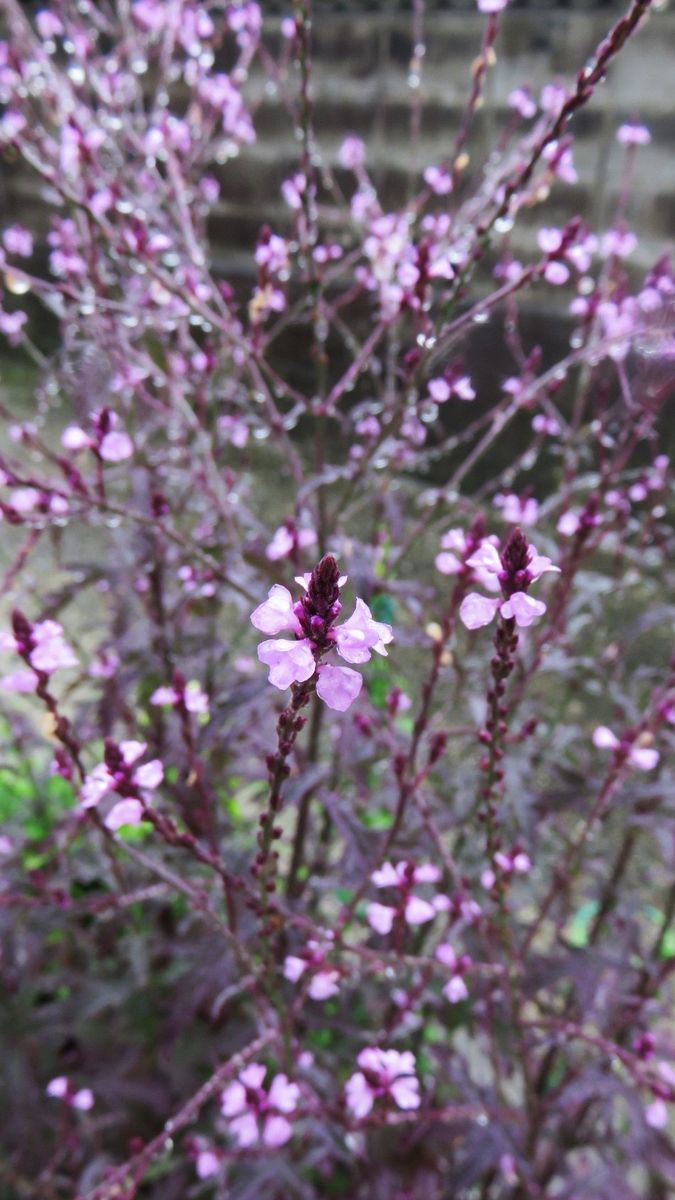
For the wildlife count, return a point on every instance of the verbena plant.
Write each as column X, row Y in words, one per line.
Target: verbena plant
column 396, row 921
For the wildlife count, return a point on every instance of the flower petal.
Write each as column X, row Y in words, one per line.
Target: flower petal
column 476, row 611
column 338, row 687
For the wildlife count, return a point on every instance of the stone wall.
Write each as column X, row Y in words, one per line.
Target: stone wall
column 361, row 85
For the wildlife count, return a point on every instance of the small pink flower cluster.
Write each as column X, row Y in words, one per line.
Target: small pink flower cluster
column 517, row 510
column 258, row 1115
column 288, row 541
column 505, row 864
column 410, row 908
column 455, row 989
column 312, row 619
column 642, row 757
column 118, row 774
column 61, row 1088
column 108, row 443
column 42, row 646
column 514, row 574
column 458, row 547
column 386, row 1075
column 182, row 695
column 324, row 981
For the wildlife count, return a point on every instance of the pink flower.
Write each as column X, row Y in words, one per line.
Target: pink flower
column 287, row 540
column 438, row 180
column 513, row 575
column 61, row 1088
column 569, row 523
column 656, row 1114
column 523, row 609
column 338, row 687
column 352, row 153
column 58, row 1087
column 125, row 812
column 380, row 917
column 643, row 758
column 118, row 773
column 289, row 662
column 190, row 695
column 413, row 909
column 618, row 242
column 19, row 682
column 276, row 613
column 207, row 1164
column 51, row 651
column 455, row 989
column 492, row 6
column 517, row 510
column 73, row 438
column 116, row 447
column 387, row 1075
column 521, row 99
column 445, row 386
column 632, row 134
column 476, row 611
column 360, row 634
column 18, row 240
column 324, row 980
column 256, row 1115
column 314, row 616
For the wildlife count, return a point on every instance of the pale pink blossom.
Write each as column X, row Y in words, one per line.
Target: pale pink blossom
column 476, row 611
column 19, row 682
column 324, row 981
column 289, row 662
column 123, row 775
column 656, row 1113
column 569, row 523
column 83, row 1100
column 619, row 243
column 48, row 24
column 256, row 1115
column 73, row 438
column 633, row 134
column 51, row 652
column 380, row 917
column 18, row 240
column 116, row 446
column 438, row 179
column 287, row 540
column 61, row 1088
column 360, row 634
column 492, row 6
column 387, row 1075
column 276, row 613
column 556, row 273
column 517, row 510
column 643, row 758
column 125, row 812
column 338, row 687
column 191, row 695
column 207, row 1164
column 58, row 1087
column 521, row 99
column 523, row 609
column 352, row 153
column 455, row 989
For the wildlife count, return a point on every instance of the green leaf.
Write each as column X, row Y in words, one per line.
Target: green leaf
column 378, row 818
column 383, row 607
column 135, row 833
column 578, row 927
